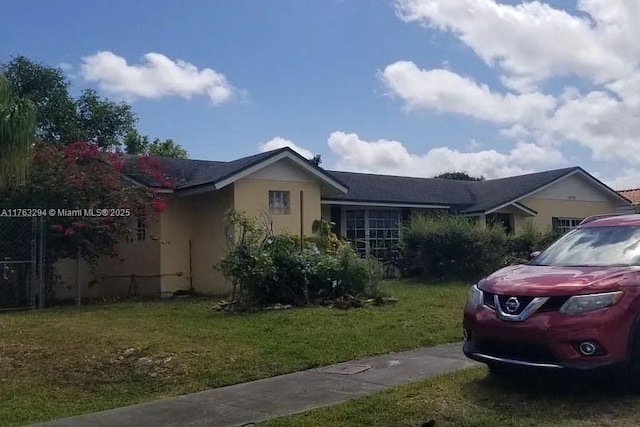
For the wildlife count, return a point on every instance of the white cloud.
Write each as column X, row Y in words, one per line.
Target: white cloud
column 155, row 77
column 473, row 145
column 278, row 142
column 533, row 41
column 527, row 44
column 392, row 157
column 628, row 178
column 443, row 90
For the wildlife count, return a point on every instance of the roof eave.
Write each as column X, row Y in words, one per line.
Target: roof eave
column 318, row 172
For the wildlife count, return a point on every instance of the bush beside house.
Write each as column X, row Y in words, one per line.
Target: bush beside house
column 266, row 269
column 454, row 246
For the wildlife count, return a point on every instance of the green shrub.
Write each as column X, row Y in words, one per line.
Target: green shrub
column 448, row 245
column 266, row 269
column 529, row 240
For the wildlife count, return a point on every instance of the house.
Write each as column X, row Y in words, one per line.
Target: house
column 179, row 250
column 633, row 195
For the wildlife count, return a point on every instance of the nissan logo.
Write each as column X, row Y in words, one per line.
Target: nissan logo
column 512, row 305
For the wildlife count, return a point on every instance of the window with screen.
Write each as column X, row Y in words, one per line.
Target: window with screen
column 279, row 202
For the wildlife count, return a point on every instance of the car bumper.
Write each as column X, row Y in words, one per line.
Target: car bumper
column 548, row 340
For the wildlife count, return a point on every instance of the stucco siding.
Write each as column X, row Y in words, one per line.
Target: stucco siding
column 209, row 243
column 252, row 197
column 283, row 170
column 574, row 188
column 549, row 208
column 176, row 232
column 112, row 276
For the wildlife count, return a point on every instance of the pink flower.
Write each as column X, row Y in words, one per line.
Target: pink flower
column 69, row 232
column 159, row 205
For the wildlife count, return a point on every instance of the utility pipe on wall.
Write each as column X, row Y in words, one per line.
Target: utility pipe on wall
column 301, row 219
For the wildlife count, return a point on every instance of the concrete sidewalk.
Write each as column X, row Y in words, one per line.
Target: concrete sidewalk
column 255, row 401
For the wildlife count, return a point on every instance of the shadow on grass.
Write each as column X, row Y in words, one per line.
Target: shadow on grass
column 551, row 397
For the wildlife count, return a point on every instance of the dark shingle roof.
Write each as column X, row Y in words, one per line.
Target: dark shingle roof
column 187, row 173
column 496, row 192
column 401, row 189
column 461, row 196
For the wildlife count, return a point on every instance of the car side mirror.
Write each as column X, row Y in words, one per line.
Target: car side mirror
column 534, row 254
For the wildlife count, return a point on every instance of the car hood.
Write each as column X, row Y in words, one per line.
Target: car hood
column 534, row 280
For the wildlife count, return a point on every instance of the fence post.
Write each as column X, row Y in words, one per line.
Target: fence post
column 78, row 288
column 33, row 288
column 41, row 263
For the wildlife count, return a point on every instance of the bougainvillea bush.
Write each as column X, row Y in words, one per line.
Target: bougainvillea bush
column 81, row 176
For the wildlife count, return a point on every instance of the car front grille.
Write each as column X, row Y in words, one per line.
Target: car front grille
column 524, row 302
column 553, row 304
column 525, row 352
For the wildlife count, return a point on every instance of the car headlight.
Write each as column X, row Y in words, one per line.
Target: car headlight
column 585, row 303
column 476, row 297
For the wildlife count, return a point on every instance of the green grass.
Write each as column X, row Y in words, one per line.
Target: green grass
column 68, row 361
column 472, row 398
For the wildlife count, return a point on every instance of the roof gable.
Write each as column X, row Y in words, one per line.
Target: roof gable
column 190, row 174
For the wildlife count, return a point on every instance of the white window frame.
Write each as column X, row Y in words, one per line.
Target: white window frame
column 367, row 248
column 564, row 225
column 141, row 226
column 279, row 202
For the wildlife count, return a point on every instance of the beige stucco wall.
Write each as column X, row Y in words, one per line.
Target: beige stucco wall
column 549, row 208
column 112, row 276
column 209, row 243
column 252, row 197
column 176, row 230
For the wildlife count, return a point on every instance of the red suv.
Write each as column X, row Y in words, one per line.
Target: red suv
column 574, row 306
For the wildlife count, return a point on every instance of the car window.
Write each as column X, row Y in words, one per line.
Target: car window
column 594, row 246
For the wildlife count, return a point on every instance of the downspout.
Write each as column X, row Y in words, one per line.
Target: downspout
column 190, row 267
column 301, row 219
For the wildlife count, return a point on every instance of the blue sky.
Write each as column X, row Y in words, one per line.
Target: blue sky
column 418, row 92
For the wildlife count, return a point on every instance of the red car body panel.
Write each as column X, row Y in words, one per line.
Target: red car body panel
column 554, row 334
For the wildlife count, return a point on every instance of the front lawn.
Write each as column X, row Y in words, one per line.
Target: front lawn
column 471, row 397
column 68, row 361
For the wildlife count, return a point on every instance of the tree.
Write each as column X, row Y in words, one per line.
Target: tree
column 139, row 144
column 167, row 148
column 82, row 176
column 101, row 121
column 48, row 89
column 317, row 159
column 60, row 117
column 17, row 131
column 134, row 143
column 459, row 176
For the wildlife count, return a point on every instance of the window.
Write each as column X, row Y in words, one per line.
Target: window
column 384, row 232
column 564, row 225
column 279, row 203
column 141, row 225
column 357, row 230
column 374, row 232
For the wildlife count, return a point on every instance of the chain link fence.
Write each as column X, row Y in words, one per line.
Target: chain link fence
column 21, row 263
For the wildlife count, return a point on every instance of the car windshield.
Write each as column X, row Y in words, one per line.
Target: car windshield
column 594, row 246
